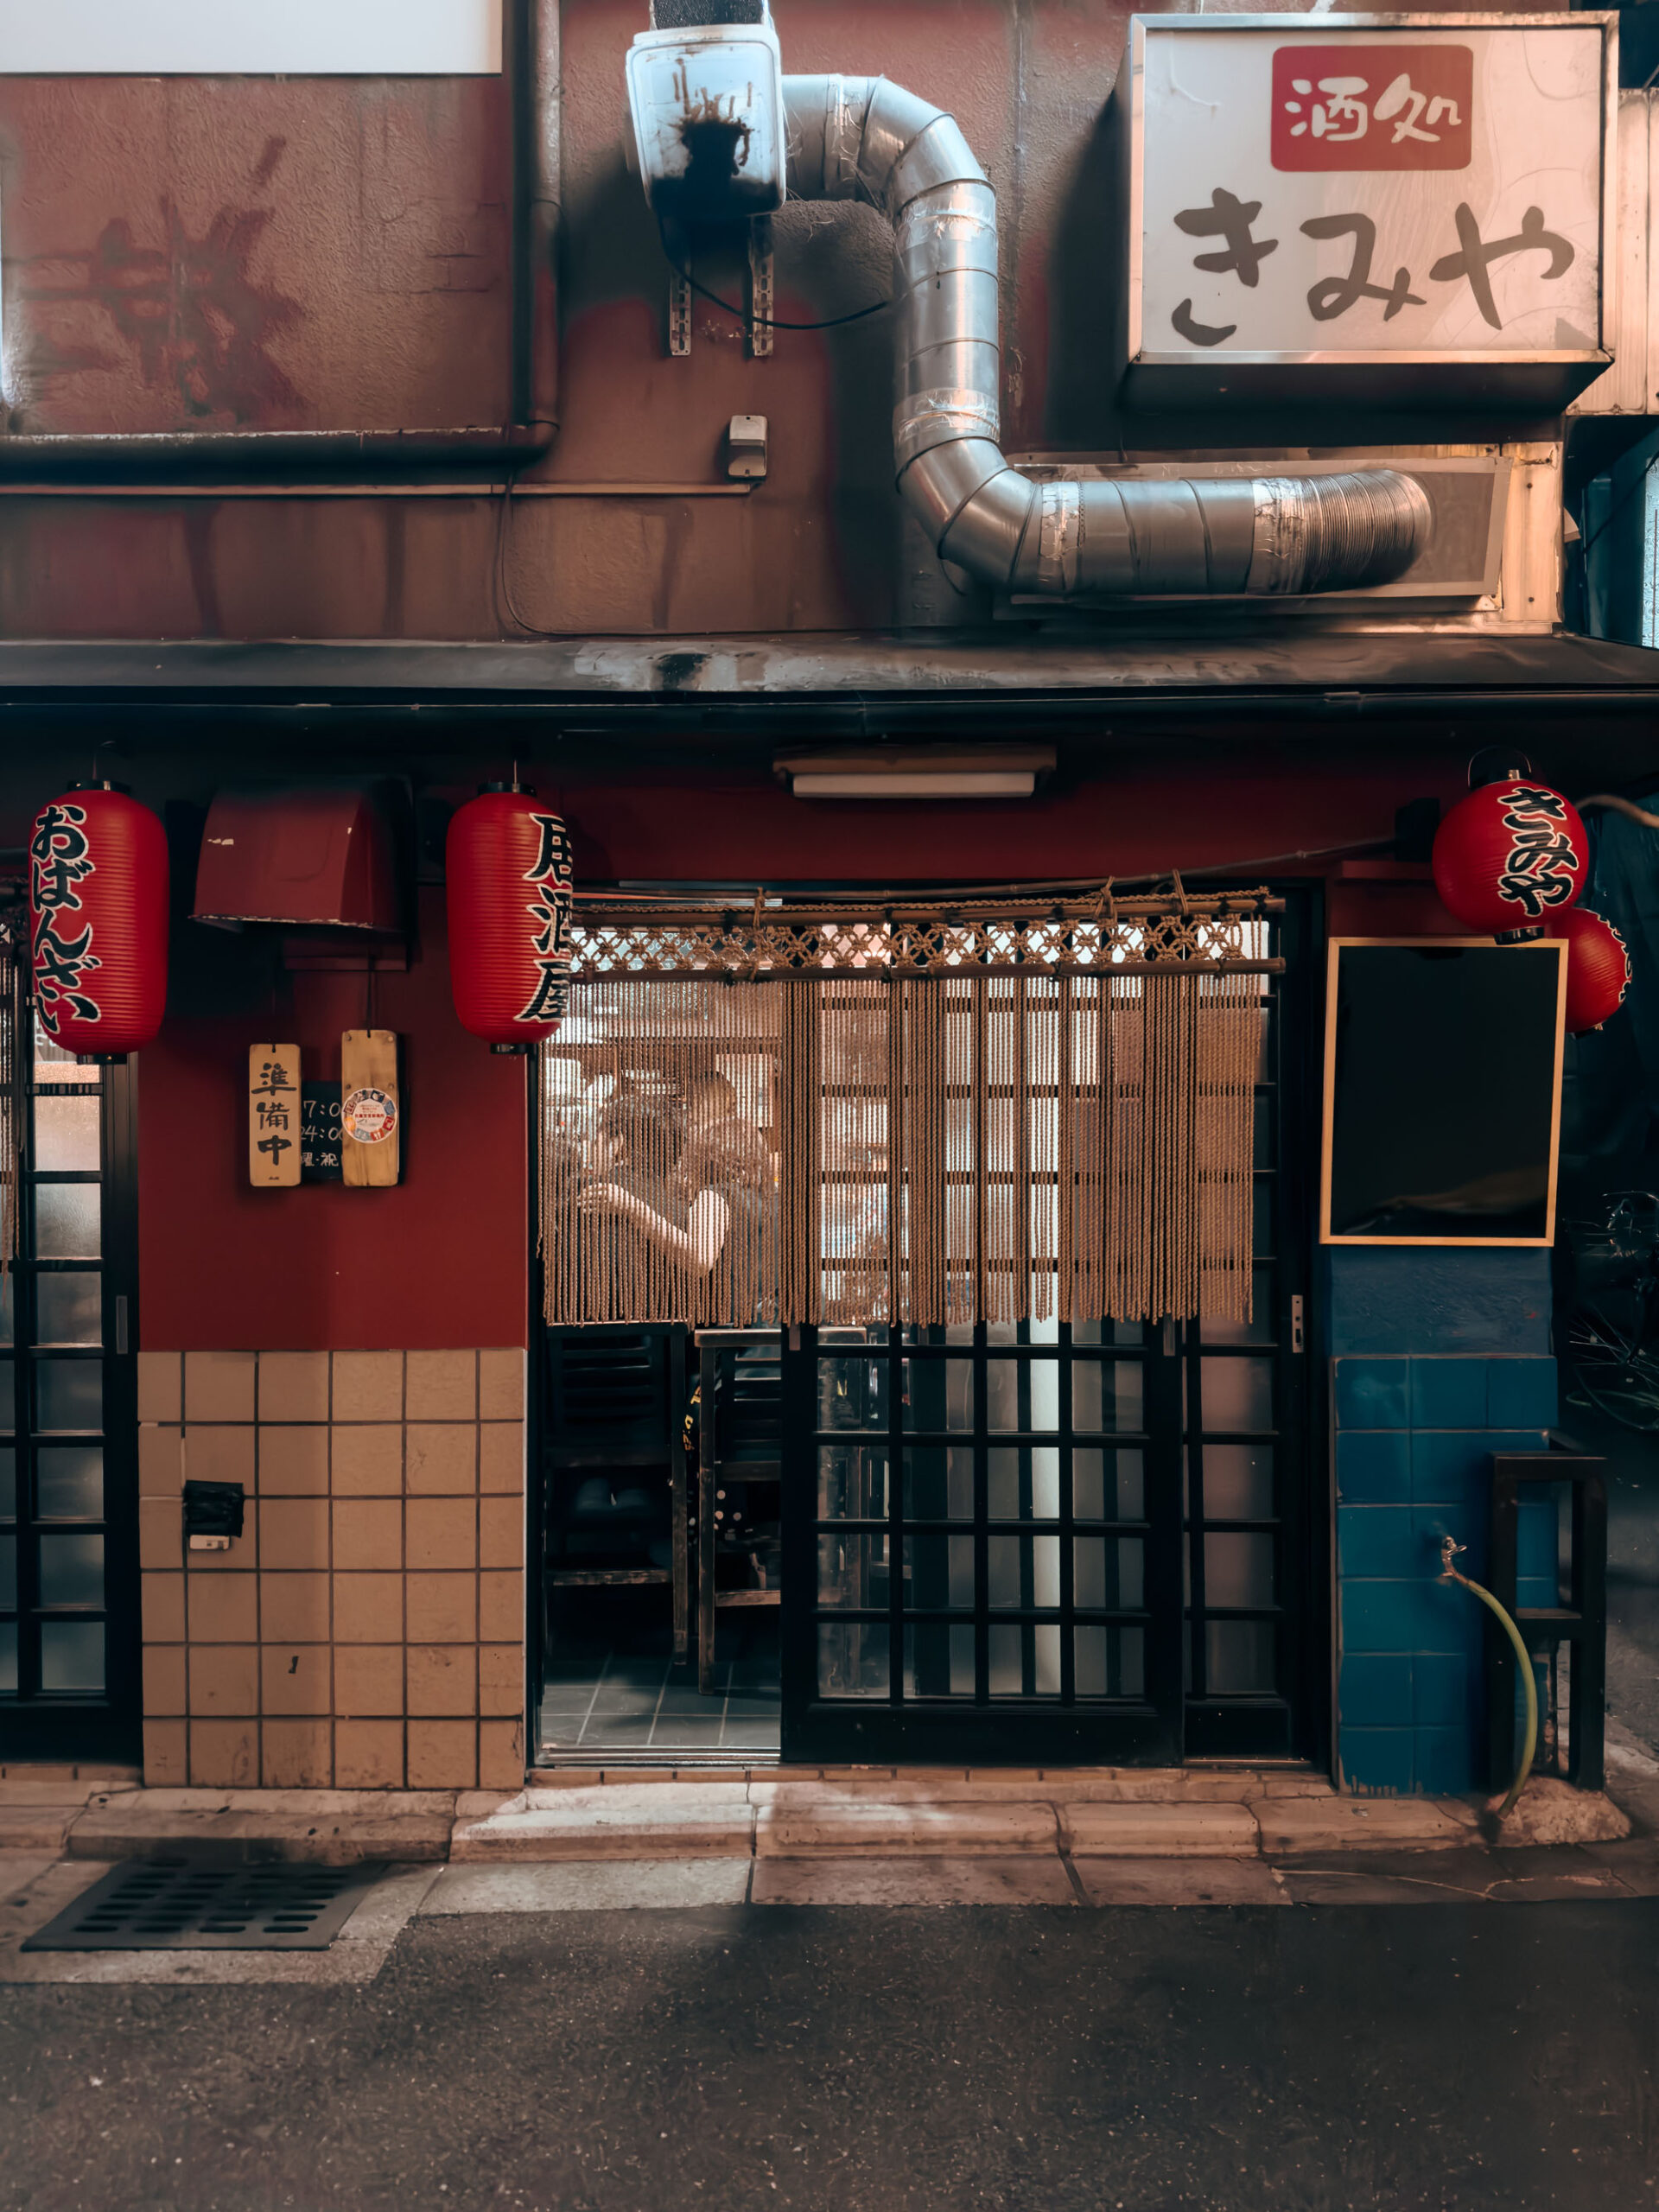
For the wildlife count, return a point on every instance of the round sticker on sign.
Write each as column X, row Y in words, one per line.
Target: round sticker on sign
column 368, row 1117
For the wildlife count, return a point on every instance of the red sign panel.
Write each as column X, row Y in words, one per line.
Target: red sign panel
column 1372, row 107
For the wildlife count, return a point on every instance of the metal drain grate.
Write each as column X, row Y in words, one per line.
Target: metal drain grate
column 178, row 1904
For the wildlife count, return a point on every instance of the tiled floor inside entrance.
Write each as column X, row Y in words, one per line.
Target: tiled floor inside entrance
column 632, row 1704
column 609, row 1683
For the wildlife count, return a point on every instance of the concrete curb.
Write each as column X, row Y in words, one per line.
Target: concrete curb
column 858, row 1813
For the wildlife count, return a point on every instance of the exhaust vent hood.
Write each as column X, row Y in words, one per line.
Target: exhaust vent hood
column 301, row 857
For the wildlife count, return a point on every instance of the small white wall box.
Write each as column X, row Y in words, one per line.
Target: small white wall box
column 707, row 107
column 747, row 439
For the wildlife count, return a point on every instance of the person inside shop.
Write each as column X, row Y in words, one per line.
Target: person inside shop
column 716, row 1131
column 634, row 1160
column 715, row 1207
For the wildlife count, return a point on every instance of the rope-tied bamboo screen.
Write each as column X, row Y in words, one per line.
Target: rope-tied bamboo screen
column 870, row 1130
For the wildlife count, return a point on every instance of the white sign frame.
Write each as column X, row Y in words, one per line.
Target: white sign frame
column 1534, row 374
column 251, row 38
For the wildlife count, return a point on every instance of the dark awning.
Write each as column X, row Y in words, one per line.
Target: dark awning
column 1289, row 662
column 1588, row 710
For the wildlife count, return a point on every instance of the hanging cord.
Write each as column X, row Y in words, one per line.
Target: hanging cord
column 501, row 573
column 760, row 321
column 943, row 895
column 1449, row 1549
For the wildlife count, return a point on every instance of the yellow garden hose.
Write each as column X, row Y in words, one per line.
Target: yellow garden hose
column 1529, row 1744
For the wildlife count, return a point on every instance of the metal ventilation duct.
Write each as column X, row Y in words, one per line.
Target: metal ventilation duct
column 866, row 138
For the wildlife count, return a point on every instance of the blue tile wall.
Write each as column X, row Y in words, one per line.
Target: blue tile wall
column 1381, row 1762
column 1415, row 1430
column 1439, row 1299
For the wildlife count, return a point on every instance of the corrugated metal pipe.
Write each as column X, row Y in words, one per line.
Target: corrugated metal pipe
column 866, row 138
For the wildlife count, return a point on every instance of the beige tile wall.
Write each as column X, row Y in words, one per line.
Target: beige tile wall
column 367, row 1630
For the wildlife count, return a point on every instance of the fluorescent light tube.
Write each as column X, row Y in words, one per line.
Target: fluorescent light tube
column 953, row 783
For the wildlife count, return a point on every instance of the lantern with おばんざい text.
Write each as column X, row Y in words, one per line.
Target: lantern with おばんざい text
column 98, row 906
column 1510, row 855
column 508, row 864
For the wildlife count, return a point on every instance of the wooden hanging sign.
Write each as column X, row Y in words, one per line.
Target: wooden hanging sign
column 371, row 1112
column 273, row 1116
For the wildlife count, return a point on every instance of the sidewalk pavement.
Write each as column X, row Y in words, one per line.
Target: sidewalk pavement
column 1248, row 1816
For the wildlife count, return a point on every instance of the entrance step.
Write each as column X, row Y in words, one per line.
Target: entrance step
column 326, row 1826
column 1198, row 1831
column 841, row 1827
column 1290, row 1827
column 624, row 1820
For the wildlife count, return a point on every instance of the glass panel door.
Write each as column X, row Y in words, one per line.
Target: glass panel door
column 1030, row 1542
column 991, row 1569
column 68, row 1515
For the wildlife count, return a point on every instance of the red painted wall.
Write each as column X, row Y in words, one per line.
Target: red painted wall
column 1140, row 814
column 442, row 1259
column 439, row 1261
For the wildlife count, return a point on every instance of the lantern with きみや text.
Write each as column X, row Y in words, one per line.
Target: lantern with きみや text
column 507, row 862
column 1510, row 855
column 1598, row 968
column 98, row 907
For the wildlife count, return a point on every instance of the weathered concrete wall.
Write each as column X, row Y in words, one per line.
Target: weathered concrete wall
column 334, row 253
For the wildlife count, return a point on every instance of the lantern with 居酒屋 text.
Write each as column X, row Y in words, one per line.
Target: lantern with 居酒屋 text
column 1598, row 968
column 97, row 901
column 507, row 862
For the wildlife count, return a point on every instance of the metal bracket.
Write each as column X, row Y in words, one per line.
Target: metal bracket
column 760, row 300
column 679, row 315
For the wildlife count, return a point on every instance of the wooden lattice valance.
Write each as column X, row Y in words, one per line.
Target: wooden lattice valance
column 995, row 1110
column 772, row 937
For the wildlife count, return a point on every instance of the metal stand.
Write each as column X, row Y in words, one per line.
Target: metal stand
column 1580, row 1623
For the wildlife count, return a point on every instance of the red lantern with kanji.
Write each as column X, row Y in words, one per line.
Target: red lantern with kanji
column 98, row 904
column 1598, row 968
column 508, row 864
column 1510, row 855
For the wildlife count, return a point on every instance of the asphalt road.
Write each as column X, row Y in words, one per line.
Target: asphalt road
column 870, row 2059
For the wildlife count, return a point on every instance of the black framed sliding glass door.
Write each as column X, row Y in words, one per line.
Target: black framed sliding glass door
column 1028, row 1492
column 1029, row 1542
column 69, row 1623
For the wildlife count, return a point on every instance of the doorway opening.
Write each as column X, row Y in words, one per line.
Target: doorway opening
column 845, row 1452
column 660, row 1441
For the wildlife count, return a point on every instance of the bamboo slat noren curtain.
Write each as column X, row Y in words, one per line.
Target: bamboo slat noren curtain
column 868, row 1147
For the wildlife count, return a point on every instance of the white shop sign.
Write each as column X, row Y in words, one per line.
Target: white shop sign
column 1308, row 195
column 294, row 38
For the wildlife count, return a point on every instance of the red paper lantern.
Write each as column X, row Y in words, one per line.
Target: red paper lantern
column 508, row 864
column 1598, row 968
column 1510, row 855
column 97, row 910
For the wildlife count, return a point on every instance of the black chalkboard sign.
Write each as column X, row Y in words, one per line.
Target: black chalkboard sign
column 1442, row 1092
column 319, row 1133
